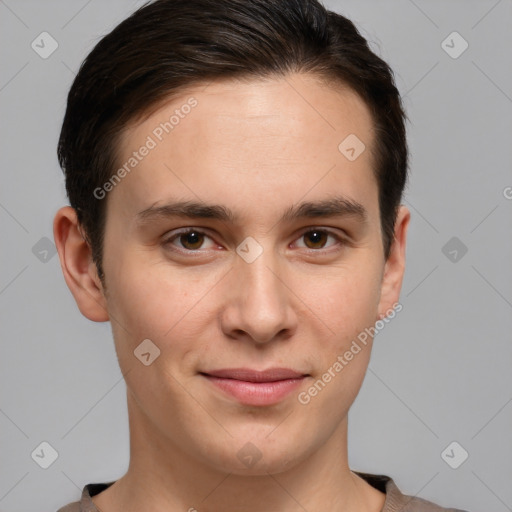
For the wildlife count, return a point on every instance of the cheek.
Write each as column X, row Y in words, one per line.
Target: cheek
column 152, row 302
column 157, row 301
column 350, row 304
column 343, row 358
column 347, row 301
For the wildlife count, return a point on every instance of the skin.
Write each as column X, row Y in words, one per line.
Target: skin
column 257, row 147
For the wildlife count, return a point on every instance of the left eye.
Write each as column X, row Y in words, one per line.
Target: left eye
column 317, row 238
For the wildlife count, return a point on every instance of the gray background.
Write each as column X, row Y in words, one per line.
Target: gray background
column 440, row 372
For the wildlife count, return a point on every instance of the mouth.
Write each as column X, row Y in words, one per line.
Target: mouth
column 253, row 387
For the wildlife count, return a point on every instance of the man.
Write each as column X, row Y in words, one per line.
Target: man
column 235, row 171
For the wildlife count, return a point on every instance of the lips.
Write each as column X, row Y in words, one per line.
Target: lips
column 254, row 387
column 245, row 374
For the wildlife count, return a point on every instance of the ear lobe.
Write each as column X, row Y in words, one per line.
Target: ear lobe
column 77, row 266
column 394, row 268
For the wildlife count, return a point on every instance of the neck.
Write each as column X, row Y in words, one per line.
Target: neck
column 162, row 477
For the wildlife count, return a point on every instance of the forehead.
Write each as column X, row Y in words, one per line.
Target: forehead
column 255, row 138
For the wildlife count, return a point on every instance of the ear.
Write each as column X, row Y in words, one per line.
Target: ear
column 78, row 268
column 395, row 265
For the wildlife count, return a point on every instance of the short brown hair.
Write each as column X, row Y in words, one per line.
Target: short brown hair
column 167, row 45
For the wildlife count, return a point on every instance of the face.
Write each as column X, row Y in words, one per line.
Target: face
column 255, row 292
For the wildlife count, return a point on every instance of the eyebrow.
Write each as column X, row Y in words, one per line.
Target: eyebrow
column 338, row 206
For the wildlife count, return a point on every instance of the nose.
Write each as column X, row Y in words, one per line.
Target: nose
column 260, row 304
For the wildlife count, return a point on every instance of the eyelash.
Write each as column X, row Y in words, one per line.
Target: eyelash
column 168, row 241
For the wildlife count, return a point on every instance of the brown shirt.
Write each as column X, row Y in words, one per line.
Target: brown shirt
column 395, row 500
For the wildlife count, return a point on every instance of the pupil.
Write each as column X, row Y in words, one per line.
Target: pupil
column 192, row 238
column 316, row 237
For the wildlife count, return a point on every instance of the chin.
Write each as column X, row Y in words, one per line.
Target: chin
column 259, row 455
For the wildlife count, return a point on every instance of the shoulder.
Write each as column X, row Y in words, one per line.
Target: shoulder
column 397, row 501
column 86, row 504
column 71, row 507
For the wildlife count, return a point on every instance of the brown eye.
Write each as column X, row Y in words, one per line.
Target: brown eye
column 315, row 239
column 191, row 240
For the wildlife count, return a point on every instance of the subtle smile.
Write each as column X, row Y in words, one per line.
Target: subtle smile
column 253, row 387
